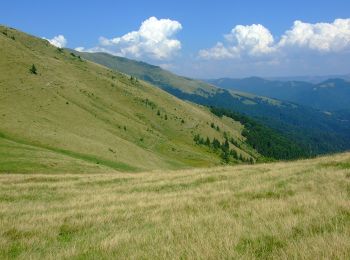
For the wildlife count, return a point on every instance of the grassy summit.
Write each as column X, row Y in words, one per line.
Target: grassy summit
column 61, row 113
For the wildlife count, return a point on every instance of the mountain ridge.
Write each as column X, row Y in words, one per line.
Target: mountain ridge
column 329, row 95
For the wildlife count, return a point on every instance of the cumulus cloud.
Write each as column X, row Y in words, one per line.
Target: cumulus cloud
column 250, row 40
column 59, row 41
column 254, row 39
column 323, row 37
column 154, row 39
column 257, row 41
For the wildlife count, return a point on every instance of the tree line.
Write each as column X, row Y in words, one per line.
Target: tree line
column 264, row 140
column 227, row 155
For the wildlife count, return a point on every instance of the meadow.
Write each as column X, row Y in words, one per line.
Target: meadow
column 279, row 210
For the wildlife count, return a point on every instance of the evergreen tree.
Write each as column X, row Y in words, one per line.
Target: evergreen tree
column 33, row 69
column 225, row 156
column 233, row 153
column 196, row 138
column 215, row 144
column 225, row 146
column 207, row 142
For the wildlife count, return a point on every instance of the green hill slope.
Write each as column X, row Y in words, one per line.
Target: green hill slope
column 74, row 115
column 316, row 131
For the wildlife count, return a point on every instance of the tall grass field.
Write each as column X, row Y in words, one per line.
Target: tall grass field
column 285, row 210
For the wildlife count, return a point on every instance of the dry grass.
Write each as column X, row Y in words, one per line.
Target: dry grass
column 282, row 210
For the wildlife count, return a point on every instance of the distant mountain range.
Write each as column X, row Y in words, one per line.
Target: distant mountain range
column 311, row 79
column 329, row 95
column 317, row 131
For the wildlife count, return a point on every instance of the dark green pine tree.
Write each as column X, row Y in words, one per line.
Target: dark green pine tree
column 207, row 142
column 215, row 144
column 33, row 69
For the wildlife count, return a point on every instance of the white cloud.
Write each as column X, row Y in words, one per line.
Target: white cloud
column 79, row 49
column 218, row 52
column 251, row 40
column 58, row 41
column 154, row 39
column 323, row 37
column 256, row 41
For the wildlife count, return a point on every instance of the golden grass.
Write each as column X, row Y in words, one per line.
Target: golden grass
column 282, row 210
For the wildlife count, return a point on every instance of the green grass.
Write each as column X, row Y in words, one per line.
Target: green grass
column 280, row 210
column 87, row 114
column 24, row 158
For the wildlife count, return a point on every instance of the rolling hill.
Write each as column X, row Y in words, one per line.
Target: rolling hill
column 317, row 132
column 329, row 95
column 60, row 113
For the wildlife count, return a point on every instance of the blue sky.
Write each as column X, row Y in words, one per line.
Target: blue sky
column 200, row 38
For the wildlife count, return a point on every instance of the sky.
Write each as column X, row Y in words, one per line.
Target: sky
column 199, row 38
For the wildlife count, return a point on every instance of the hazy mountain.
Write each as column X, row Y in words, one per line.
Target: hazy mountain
column 329, row 95
column 311, row 79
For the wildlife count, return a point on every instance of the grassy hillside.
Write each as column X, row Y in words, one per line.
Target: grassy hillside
column 310, row 128
column 75, row 115
column 295, row 210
